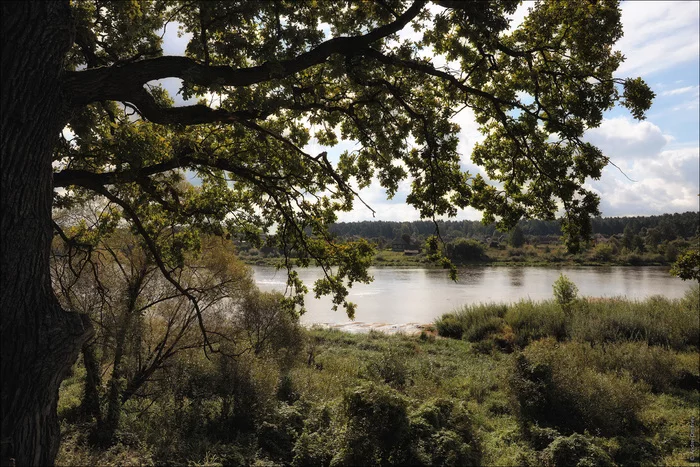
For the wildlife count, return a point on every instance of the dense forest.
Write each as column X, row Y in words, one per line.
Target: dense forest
column 664, row 227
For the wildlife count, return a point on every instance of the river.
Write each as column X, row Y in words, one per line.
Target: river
column 399, row 296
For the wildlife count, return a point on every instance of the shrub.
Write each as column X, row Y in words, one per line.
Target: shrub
column 285, row 389
column 575, row 450
column 390, row 368
column 516, row 237
column 653, row 365
column 636, row 451
column 448, row 325
column 463, row 249
column 671, row 252
column 656, row 320
column 632, row 258
column 531, row 385
column 277, row 436
column 269, row 324
column 565, row 292
column 377, row 431
column 687, row 265
column 312, row 449
column 515, row 252
column 553, row 387
column 442, row 434
column 482, row 328
column 318, row 440
column 691, row 300
column 531, row 321
column 602, row 252
column 472, row 322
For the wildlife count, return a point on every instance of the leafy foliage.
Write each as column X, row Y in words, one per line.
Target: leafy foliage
column 687, row 266
column 268, row 80
column 565, row 292
column 465, row 250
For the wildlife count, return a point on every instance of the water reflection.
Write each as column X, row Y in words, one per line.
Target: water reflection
column 516, row 276
column 400, row 296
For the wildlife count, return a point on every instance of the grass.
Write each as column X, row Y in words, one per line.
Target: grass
column 656, row 321
column 607, row 383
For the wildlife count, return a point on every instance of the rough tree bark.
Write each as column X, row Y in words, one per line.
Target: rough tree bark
column 90, row 405
column 39, row 340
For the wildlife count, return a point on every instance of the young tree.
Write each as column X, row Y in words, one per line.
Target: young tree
column 516, row 237
column 275, row 69
column 142, row 321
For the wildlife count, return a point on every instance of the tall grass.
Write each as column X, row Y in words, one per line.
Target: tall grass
column 657, row 321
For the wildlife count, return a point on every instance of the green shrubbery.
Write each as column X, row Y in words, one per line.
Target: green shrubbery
column 465, row 250
column 555, row 388
column 565, row 293
column 611, row 383
column 656, row 321
column 575, row 450
column 590, row 379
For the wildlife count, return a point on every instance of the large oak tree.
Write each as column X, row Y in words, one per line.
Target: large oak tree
column 265, row 73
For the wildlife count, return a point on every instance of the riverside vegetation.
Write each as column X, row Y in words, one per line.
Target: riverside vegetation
column 570, row 381
column 634, row 241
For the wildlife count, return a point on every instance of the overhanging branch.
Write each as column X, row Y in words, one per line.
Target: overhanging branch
column 125, row 82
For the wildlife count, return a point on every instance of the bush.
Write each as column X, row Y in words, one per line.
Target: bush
column 691, row 300
column 553, row 386
column 565, row 292
column 531, row 321
column 285, row 389
column 463, row 249
column 653, row 365
column 448, row 325
column 637, row 452
column 442, row 434
column 602, row 252
column 515, row 252
column 277, row 437
column 480, row 329
column 389, row 368
column 472, row 322
column 656, row 321
column 318, row 440
column 377, row 431
column 575, row 450
column 269, row 324
column 687, row 265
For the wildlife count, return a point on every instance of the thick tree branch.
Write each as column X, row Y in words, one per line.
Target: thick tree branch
column 123, row 83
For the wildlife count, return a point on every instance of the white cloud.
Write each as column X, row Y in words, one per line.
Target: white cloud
column 469, row 136
column 651, row 178
column 623, row 139
column 683, row 90
column 658, row 35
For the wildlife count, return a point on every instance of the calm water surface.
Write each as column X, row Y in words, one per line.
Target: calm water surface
column 399, row 296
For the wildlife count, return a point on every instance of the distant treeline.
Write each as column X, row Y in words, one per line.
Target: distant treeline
column 667, row 226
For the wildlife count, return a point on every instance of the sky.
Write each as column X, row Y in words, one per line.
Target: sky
column 657, row 159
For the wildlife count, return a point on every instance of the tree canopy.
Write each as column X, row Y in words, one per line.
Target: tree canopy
column 265, row 73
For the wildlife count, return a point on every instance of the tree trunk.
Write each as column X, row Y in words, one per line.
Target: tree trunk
column 39, row 340
column 117, row 383
column 116, row 386
column 90, row 406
